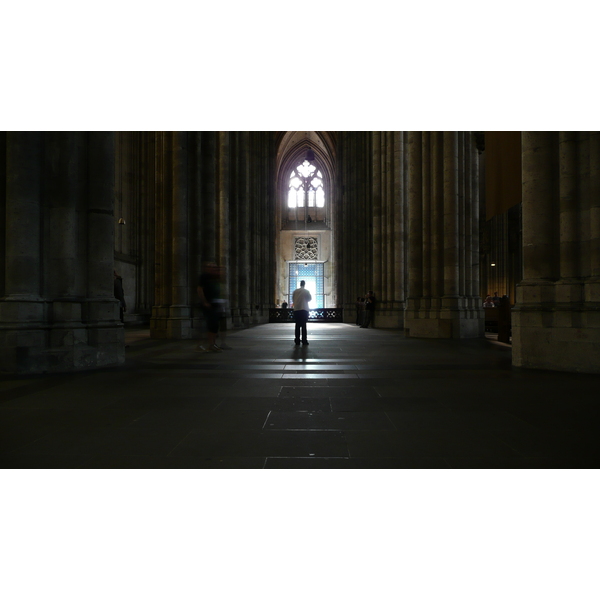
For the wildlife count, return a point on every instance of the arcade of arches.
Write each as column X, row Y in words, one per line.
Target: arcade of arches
column 418, row 217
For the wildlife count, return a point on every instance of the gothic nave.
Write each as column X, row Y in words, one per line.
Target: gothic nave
column 432, row 222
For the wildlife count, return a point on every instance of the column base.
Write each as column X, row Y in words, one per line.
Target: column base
column 431, row 318
column 556, row 325
column 557, row 339
column 50, row 337
column 60, row 349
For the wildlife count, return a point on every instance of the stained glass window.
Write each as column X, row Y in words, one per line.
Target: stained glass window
column 306, row 187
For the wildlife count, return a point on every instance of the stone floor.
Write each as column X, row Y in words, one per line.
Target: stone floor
column 352, row 398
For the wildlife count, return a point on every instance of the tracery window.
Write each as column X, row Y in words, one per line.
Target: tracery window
column 306, row 187
column 306, row 248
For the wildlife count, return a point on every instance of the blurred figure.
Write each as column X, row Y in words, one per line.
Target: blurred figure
column 360, row 306
column 209, row 293
column 222, row 306
column 496, row 299
column 120, row 296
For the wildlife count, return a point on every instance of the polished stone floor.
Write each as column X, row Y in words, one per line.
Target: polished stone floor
column 352, row 398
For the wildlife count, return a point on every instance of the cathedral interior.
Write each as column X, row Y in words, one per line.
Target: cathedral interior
column 448, row 450
column 432, row 222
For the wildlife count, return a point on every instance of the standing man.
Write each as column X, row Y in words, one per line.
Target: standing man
column 300, row 298
column 369, row 309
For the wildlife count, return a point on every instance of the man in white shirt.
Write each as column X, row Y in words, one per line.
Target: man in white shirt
column 301, row 297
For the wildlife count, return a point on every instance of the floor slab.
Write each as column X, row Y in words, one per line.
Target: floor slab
column 352, row 399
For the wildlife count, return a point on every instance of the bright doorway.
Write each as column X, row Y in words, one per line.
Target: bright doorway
column 312, row 274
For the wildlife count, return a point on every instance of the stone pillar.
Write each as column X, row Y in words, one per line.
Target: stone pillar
column 376, row 271
column 451, row 258
column 105, row 331
column 22, row 310
column 23, row 216
column 65, row 269
column 163, row 214
column 209, row 200
column 399, row 222
column 436, row 198
column 179, row 324
column 65, row 194
column 555, row 321
column 415, row 229
column 594, row 257
column 426, row 207
column 224, row 231
column 244, row 233
column 440, row 237
column 59, row 313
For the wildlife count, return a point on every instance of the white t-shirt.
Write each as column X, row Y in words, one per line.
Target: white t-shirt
column 301, row 297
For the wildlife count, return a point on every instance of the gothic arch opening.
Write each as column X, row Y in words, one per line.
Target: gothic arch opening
column 305, row 237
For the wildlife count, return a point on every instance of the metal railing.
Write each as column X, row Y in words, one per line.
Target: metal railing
column 321, row 315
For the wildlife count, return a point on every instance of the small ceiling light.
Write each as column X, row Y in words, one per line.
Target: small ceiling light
column 121, row 221
column 493, row 264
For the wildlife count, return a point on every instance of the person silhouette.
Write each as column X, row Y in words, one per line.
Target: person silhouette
column 300, row 299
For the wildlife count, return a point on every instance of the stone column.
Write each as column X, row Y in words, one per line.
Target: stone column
column 223, row 213
column 415, row 229
column 569, row 204
column 105, row 331
column 22, row 310
column 439, row 236
column 23, row 218
column 179, row 325
column 159, row 323
column 387, row 266
column 540, row 239
column 399, row 222
column 451, row 263
column 244, row 232
column 209, row 200
column 66, row 255
column 555, row 320
column 427, row 241
column 64, row 268
column 437, row 220
column 376, row 271
column 594, row 258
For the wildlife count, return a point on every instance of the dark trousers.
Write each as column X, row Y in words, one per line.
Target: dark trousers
column 368, row 318
column 301, row 318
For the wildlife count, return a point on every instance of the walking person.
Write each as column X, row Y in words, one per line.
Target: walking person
column 360, row 306
column 209, row 292
column 300, row 299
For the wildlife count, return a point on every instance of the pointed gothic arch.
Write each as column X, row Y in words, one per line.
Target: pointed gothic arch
column 306, row 226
